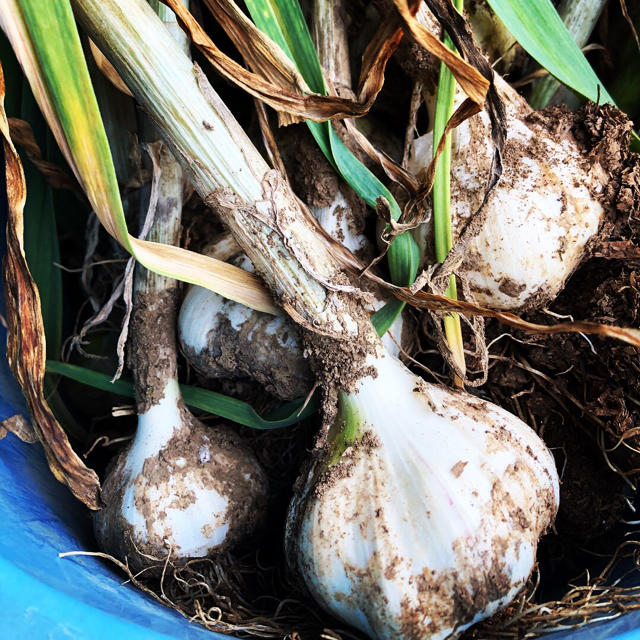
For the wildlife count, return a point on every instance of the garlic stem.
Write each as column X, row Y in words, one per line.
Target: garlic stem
column 221, row 162
column 222, row 339
column 180, row 489
column 329, row 33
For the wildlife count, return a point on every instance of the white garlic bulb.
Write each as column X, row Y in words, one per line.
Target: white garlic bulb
column 180, row 488
column 225, row 339
column 539, row 217
column 424, row 513
column 335, row 220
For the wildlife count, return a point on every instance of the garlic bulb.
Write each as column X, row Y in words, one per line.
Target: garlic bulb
column 422, row 514
column 337, row 222
column 224, row 339
column 540, row 216
column 180, row 488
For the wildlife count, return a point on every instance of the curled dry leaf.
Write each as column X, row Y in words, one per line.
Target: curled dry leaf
column 438, row 303
column 276, row 81
column 22, row 134
column 19, row 426
column 434, row 302
column 26, row 343
column 473, row 80
column 481, row 77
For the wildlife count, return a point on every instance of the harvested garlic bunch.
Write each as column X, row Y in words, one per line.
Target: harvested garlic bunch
column 422, row 514
column 539, row 218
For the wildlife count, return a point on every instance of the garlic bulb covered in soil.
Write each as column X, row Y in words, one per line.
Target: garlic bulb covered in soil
column 224, row 339
column 541, row 215
column 180, row 488
column 422, row 513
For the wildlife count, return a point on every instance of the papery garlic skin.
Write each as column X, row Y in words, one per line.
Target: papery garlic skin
column 180, row 488
column 430, row 521
column 335, row 220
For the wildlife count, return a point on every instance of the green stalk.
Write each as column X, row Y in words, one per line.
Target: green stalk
column 442, row 198
column 215, row 403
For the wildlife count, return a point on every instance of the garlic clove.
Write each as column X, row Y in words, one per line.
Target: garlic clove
column 424, row 518
column 180, row 488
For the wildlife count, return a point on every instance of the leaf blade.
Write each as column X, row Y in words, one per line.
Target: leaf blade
column 210, row 401
column 540, row 31
column 45, row 39
column 26, row 344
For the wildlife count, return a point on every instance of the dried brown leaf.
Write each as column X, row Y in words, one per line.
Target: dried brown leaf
column 275, row 80
column 439, row 303
column 107, row 69
column 22, row 134
column 26, row 344
column 20, row 427
column 436, row 302
column 471, row 79
column 480, row 88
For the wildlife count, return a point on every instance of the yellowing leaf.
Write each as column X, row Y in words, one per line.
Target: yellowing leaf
column 26, row 348
column 46, row 42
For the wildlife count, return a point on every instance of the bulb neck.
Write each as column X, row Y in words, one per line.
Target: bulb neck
column 152, row 349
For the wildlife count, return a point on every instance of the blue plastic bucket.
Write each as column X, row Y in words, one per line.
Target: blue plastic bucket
column 83, row 598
